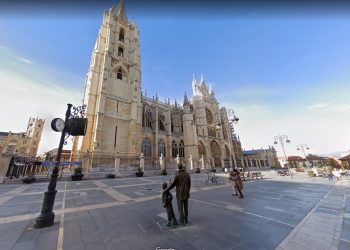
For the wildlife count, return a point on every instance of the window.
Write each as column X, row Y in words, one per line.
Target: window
column 172, row 125
column 174, row 149
column 120, row 51
column 209, row 116
column 120, row 74
column 161, row 126
column 225, row 133
column 121, row 35
column 147, row 117
column 115, row 137
column 161, row 148
column 182, row 149
column 146, row 147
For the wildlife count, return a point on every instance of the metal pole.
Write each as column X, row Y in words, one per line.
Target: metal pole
column 47, row 216
column 285, row 155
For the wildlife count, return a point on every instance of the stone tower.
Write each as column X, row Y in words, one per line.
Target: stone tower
column 34, row 130
column 113, row 89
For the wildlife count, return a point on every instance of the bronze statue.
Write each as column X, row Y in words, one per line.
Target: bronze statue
column 167, row 198
column 182, row 181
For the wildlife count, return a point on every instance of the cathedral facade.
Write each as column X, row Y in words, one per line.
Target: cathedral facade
column 125, row 124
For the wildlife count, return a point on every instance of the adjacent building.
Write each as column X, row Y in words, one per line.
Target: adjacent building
column 260, row 158
column 24, row 144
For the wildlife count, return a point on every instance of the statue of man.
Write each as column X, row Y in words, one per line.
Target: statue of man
column 182, row 181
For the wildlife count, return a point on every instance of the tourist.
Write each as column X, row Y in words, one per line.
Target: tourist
column 237, row 184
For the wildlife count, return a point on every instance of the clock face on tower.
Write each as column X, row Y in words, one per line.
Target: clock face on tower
column 57, row 124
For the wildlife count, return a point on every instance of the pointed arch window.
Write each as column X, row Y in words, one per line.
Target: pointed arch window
column 161, row 126
column 120, row 74
column 146, row 147
column 171, row 124
column 147, row 117
column 209, row 116
column 182, row 149
column 120, row 51
column 174, row 149
column 121, row 34
column 161, row 148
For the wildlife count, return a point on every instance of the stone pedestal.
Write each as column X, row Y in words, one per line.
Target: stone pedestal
column 191, row 162
column 117, row 165
column 142, row 163
column 177, row 160
column 202, row 162
column 161, row 163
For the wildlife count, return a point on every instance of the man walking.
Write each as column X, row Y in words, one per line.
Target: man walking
column 182, row 181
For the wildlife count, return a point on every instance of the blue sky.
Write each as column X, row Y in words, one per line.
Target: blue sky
column 282, row 73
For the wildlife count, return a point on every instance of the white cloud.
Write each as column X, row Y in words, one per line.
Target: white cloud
column 328, row 106
column 35, row 91
column 25, row 60
column 260, row 122
column 319, row 105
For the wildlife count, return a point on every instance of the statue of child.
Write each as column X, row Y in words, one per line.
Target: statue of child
column 167, row 198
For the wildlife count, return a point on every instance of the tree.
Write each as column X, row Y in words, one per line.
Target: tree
column 332, row 163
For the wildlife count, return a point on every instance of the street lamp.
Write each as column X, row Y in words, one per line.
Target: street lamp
column 75, row 125
column 281, row 139
column 302, row 148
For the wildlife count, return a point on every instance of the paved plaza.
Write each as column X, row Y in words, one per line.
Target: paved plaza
column 126, row 213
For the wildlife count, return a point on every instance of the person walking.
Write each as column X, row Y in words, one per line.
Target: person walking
column 182, row 181
column 237, row 184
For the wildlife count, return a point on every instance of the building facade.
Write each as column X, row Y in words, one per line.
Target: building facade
column 124, row 123
column 257, row 158
column 24, row 144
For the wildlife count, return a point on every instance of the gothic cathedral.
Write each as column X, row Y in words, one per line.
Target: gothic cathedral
column 123, row 122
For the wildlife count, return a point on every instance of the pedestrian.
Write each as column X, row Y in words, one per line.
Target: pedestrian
column 336, row 174
column 167, row 199
column 329, row 174
column 182, row 181
column 237, row 184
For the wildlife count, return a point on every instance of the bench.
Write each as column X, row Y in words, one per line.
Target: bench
column 282, row 173
column 255, row 174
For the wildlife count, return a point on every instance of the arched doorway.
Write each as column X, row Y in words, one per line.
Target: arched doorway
column 216, row 153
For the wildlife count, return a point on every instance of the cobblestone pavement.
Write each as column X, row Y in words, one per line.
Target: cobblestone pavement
column 126, row 213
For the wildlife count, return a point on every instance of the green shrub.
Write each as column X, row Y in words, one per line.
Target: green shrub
column 310, row 173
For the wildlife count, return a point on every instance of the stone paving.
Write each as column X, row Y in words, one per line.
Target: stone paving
column 126, row 213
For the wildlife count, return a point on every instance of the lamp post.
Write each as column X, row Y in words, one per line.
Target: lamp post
column 72, row 125
column 302, row 148
column 282, row 139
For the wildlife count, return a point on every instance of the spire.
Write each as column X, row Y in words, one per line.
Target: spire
column 203, row 86
column 186, row 102
column 194, row 81
column 121, row 10
column 194, row 85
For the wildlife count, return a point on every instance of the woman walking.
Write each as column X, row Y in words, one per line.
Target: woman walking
column 237, row 184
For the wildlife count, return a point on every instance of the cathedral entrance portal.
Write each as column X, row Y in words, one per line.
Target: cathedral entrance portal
column 216, row 154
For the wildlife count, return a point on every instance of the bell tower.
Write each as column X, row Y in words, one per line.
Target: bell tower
column 113, row 88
